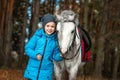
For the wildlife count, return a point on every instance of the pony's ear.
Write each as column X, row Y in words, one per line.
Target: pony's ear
column 76, row 19
column 58, row 17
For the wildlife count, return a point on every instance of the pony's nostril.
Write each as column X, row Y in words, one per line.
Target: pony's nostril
column 63, row 51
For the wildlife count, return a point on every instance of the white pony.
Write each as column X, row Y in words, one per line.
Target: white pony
column 69, row 43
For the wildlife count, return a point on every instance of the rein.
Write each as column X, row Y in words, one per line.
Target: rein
column 71, row 44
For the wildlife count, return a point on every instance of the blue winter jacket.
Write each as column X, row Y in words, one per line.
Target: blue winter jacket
column 43, row 44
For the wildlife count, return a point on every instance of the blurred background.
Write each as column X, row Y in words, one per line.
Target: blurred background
column 100, row 18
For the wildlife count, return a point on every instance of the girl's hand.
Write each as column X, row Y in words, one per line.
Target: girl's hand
column 61, row 55
column 39, row 57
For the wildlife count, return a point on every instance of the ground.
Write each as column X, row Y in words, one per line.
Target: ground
column 11, row 74
column 15, row 74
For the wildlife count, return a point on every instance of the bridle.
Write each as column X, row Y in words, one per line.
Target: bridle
column 75, row 34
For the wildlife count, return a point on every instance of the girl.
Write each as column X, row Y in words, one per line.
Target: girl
column 42, row 49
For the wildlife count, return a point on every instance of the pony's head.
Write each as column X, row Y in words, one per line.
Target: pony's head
column 67, row 29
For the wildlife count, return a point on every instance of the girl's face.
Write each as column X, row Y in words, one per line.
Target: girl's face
column 50, row 28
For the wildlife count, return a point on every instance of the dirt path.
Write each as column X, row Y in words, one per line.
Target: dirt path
column 11, row 74
column 15, row 74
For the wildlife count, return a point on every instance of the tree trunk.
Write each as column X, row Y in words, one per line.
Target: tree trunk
column 85, row 18
column 22, row 43
column 101, row 42
column 35, row 16
column 81, row 12
column 8, row 33
column 66, row 4
column 3, row 6
column 73, row 3
column 52, row 6
column 116, row 63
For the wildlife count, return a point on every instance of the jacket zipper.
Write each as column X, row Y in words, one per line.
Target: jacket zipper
column 42, row 59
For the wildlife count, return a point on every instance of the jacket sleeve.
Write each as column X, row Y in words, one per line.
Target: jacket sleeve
column 30, row 47
column 56, row 54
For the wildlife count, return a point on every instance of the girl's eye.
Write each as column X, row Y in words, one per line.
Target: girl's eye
column 47, row 25
column 53, row 26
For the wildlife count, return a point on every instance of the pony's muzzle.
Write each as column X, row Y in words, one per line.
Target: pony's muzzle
column 63, row 51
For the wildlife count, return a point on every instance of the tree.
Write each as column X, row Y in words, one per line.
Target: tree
column 101, row 40
column 3, row 6
column 8, row 32
column 66, row 4
column 35, row 16
column 23, row 29
column 85, row 18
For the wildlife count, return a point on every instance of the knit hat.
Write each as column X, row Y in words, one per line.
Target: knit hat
column 48, row 18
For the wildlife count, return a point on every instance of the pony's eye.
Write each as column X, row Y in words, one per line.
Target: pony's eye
column 73, row 31
column 71, row 14
column 57, row 31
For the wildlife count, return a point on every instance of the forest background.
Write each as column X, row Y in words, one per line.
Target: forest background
column 101, row 18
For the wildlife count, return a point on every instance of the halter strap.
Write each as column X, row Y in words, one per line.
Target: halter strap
column 67, row 21
column 71, row 46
